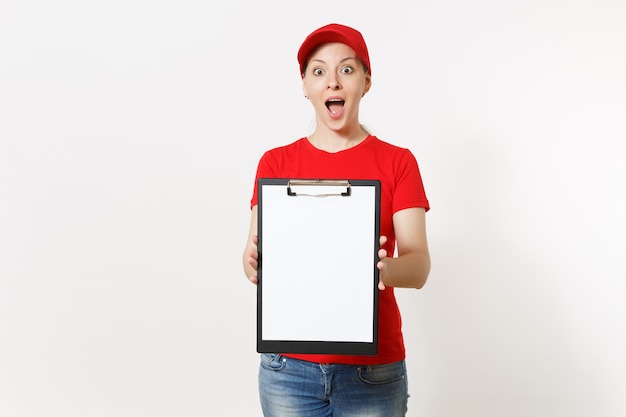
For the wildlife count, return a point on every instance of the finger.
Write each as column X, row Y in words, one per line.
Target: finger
column 253, row 262
column 380, row 265
column 382, row 253
column 382, row 240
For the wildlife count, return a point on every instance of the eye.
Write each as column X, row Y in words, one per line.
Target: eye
column 318, row 71
column 347, row 70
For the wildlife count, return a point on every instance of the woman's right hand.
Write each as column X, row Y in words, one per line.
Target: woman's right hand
column 251, row 252
column 252, row 259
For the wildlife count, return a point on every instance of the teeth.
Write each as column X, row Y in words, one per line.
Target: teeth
column 333, row 101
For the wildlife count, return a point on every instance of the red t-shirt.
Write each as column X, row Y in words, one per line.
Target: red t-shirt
column 401, row 188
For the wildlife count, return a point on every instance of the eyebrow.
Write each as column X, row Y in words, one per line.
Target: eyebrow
column 343, row 60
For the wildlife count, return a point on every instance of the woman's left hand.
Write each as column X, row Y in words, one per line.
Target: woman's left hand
column 382, row 254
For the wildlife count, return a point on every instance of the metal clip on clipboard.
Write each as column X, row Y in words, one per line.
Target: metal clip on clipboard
column 315, row 183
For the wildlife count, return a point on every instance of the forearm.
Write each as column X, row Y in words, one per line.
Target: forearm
column 406, row 271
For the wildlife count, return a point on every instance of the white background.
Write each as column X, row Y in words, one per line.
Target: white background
column 129, row 136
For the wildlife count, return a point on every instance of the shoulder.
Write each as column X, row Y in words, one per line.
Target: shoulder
column 274, row 160
column 283, row 150
column 383, row 144
column 389, row 149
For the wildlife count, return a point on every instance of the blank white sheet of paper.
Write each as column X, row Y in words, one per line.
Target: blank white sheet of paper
column 318, row 257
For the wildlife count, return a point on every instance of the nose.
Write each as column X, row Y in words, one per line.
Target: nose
column 333, row 84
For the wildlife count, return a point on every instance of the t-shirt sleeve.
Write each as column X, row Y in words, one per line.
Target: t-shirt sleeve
column 265, row 169
column 409, row 190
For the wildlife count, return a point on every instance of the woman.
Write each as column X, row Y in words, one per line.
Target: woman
column 336, row 75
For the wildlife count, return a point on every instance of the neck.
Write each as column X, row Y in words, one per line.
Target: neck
column 336, row 141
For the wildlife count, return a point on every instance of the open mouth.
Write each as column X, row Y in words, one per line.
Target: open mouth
column 334, row 105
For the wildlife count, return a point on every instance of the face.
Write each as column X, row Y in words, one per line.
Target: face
column 335, row 80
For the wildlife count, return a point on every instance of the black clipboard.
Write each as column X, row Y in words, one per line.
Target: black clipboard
column 318, row 281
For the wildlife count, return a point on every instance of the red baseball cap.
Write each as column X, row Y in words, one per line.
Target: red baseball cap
column 334, row 32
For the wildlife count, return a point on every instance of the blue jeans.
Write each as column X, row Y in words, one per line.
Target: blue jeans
column 294, row 388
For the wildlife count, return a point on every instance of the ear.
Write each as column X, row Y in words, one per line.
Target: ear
column 368, row 84
column 304, row 90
